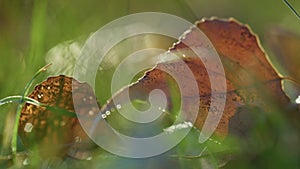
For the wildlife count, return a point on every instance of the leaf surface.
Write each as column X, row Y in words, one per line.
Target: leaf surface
column 250, row 78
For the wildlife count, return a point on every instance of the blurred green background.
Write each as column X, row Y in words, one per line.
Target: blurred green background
column 29, row 28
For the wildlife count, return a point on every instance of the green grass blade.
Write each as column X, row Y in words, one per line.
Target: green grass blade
column 37, row 39
column 18, row 111
column 292, row 8
column 11, row 99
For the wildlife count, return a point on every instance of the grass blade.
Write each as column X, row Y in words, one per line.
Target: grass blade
column 21, row 102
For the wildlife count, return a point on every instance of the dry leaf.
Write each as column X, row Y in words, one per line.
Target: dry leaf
column 250, row 78
column 45, row 128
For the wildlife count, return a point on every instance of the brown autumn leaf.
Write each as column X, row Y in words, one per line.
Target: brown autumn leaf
column 248, row 70
column 52, row 132
column 250, row 78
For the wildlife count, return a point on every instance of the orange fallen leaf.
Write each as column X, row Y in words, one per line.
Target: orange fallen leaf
column 55, row 133
column 250, row 77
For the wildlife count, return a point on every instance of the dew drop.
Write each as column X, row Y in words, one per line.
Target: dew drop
column 89, row 158
column 107, row 113
column 118, row 106
column 48, row 87
column 163, row 110
column 91, row 113
column 103, row 116
column 84, row 99
column 112, row 109
column 77, row 139
column 91, row 97
column 159, row 108
column 39, row 96
column 26, row 161
column 28, row 127
column 215, row 141
column 183, row 55
column 298, row 100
